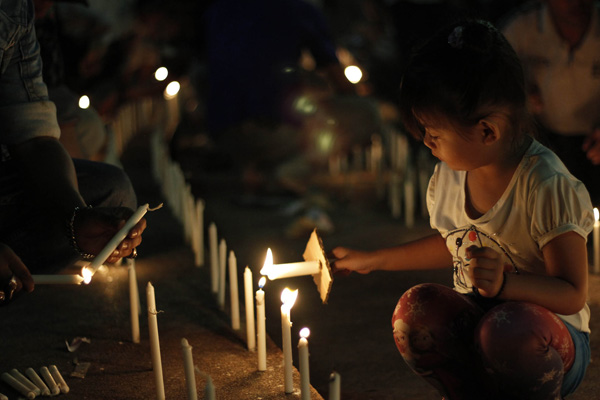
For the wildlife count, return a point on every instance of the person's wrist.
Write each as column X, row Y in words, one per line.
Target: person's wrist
column 72, row 234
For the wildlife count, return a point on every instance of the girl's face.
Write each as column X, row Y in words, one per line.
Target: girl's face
column 462, row 152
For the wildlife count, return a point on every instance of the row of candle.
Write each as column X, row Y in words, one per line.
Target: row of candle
column 33, row 385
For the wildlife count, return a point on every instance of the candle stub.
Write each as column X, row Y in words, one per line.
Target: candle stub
column 64, row 388
column 54, row 389
column 18, row 386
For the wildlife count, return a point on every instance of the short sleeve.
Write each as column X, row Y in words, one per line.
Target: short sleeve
column 558, row 205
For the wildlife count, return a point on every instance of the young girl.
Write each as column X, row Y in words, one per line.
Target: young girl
column 512, row 225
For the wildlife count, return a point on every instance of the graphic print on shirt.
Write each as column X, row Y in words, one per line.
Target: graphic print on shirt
column 459, row 240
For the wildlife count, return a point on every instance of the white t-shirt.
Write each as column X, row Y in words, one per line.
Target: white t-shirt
column 568, row 81
column 542, row 201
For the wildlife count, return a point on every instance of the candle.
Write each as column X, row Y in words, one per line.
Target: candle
column 188, row 364
column 18, row 386
column 214, row 258
column 260, row 324
column 59, row 379
column 35, row 378
column 25, row 382
column 209, row 389
column 233, row 292
column 278, row 271
column 3, row 397
column 200, row 233
column 58, row 279
column 117, row 238
column 133, row 303
column 249, row 303
column 222, row 272
column 334, row 386
column 288, row 298
column 54, row 389
column 303, row 364
column 154, row 342
column 596, row 241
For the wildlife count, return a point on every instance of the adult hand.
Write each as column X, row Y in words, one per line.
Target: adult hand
column 591, row 146
column 486, row 270
column 14, row 275
column 348, row 260
column 95, row 227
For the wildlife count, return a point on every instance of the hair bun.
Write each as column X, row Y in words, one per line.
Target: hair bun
column 477, row 36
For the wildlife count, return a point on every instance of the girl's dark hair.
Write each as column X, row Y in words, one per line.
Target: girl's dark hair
column 462, row 73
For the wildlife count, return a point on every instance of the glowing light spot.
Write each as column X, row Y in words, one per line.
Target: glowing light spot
column 596, row 214
column 161, row 74
column 288, row 298
column 304, row 105
column 353, row 73
column 171, row 90
column 304, row 333
column 325, row 141
column 84, row 102
column 87, row 275
column 261, row 282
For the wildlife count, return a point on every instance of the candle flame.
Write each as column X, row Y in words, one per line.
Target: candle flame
column 304, row 333
column 288, row 298
column 261, row 282
column 268, row 265
column 87, row 274
column 596, row 214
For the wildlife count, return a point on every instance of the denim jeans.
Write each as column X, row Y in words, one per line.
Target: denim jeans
column 42, row 241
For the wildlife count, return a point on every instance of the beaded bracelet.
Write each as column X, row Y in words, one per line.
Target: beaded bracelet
column 71, row 233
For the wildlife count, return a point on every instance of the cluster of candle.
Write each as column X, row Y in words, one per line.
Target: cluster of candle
column 33, row 385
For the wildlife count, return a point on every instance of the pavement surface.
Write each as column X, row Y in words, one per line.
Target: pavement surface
column 351, row 334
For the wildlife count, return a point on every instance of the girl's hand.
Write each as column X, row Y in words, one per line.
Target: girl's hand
column 95, row 227
column 486, row 270
column 14, row 275
column 591, row 146
column 348, row 260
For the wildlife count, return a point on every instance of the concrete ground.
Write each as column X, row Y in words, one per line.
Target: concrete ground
column 351, row 334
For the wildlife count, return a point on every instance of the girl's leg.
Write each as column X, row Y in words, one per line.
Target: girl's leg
column 526, row 349
column 433, row 329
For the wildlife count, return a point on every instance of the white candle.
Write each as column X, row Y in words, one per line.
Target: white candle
column 278, row 271
column 288, row 298
column 64, row 388
column 155, row 343
column 209, row 389
column 222, row 272
column 133, row 303
column 249, row 303
column 54, row 389
column 233, row 292
column 3, row 397
column 188, row 364
column 25, row 381
column 214, row 257
column 200, row 232
column 18, row 386
column 334, row 386
column 303, row 364
column 117, row 239
column 57, row 279
column 35, row 378
column 260, row 325
column 596, row 241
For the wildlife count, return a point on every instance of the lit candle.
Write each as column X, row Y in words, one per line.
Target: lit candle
column 233, row 292
column 188, row 364
column 58, row 279
column 214, row 257
column 35, row 378
column 288, row 298
column 249, row 303
column 334, row 386
column 117, row 238
column 154, row 342
column 133, row 303
column 222, row 272
column 596, row 241
column 278, row 271
column 200, row 232
column 64, row 388
column 25, row 381
column 18, row 386
column 54, row 389
column 260, row 325
column 303, row 364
